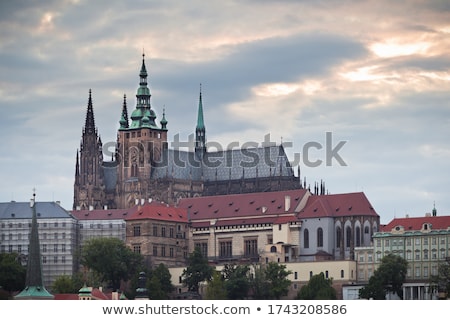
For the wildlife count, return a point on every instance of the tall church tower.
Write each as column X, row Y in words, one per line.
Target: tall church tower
column 89, row 187
column 139, row 145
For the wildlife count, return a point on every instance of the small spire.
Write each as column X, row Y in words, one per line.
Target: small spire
column 200, row 120
column 434, row 212
column 163, row 120
column 90, row 122
column 124, row 123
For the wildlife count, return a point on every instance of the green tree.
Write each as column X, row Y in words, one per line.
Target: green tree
column 276, row 276
column 12, row 273
column 216, row 287
column 198, row 270
column 64, row 284
column 317, row 288
column 442, row 279
column 160, row 286
column 259, row 285
column 236, row 281
column 388, row 278
column 111, row 259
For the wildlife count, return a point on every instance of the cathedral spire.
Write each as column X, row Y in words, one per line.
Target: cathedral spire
column 200, row 130
column 90, row 122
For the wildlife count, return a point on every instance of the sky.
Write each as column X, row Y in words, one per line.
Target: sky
column 358, row 92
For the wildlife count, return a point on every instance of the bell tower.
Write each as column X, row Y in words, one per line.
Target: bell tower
column 139, row 145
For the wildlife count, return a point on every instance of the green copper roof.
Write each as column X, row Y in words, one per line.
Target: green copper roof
column 200, row 121
column 34, row 293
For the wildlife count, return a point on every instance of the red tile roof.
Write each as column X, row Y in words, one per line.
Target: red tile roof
column 159, row 211
column 416, row 223
column 246, row 205
column 337, row 205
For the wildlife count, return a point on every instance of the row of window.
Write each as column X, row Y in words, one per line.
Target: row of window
column 103, row 225
column 409, row 242
column 160, row 251
column 28, row 225
column 26, row 236
column 44, row 248
column 418, row 255
column 161, row 232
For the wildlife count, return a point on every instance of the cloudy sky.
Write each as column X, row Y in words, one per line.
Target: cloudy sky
column 376, row 74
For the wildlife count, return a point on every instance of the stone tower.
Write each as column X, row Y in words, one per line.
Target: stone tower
column 88, row 186
column 139, row 146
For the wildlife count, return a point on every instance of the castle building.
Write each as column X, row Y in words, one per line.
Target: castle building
column 145, row 168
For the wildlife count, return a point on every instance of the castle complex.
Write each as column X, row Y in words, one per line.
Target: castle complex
column 145, row 168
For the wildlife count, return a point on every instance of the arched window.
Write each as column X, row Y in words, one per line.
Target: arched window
column 348, row 236
column 338, row 237
column 306, row 238
column 273, row 249
column 358, row 236
column 319, row 237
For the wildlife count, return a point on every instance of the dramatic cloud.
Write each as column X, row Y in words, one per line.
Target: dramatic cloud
column 375, row 74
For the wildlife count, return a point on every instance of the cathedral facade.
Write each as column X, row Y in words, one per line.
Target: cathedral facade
column 145, row 168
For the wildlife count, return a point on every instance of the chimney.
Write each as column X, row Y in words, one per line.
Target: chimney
column 287, row 203
column 142, row 201
column 58, row 202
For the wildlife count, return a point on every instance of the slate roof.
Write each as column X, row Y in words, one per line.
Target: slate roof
column 416, row 223
column 337, row 205
column 22, row 210
column 102, row 214
column 224, row 165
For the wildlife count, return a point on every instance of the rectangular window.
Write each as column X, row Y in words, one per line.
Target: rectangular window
column 137, row 248
column 55, row 259
column 417, row 272
column 163, row 251
column 163, row 231
column 136, row 231
column 203, row 248
column 44, row 248
column 171, row 232
column 55, row 248
column 171, row 252
column 63, row 247
column 155, row 250
column 225, row 249
column 251, row 248
column 155, row 231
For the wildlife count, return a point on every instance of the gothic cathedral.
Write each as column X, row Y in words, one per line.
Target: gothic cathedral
column 145, row 168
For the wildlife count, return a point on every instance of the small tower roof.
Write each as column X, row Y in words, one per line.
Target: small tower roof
column 200, row 121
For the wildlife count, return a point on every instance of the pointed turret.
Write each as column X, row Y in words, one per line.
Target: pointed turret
column 164, row 121
column 124, row 122
column 200, row 130
column 89, row 125
column 77, row 169
column 34, row 285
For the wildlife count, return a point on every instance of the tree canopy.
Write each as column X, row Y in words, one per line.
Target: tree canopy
column 198, row 270
column 111, row 259
column 317, row 288
column 12, row 273
column 388, row 278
